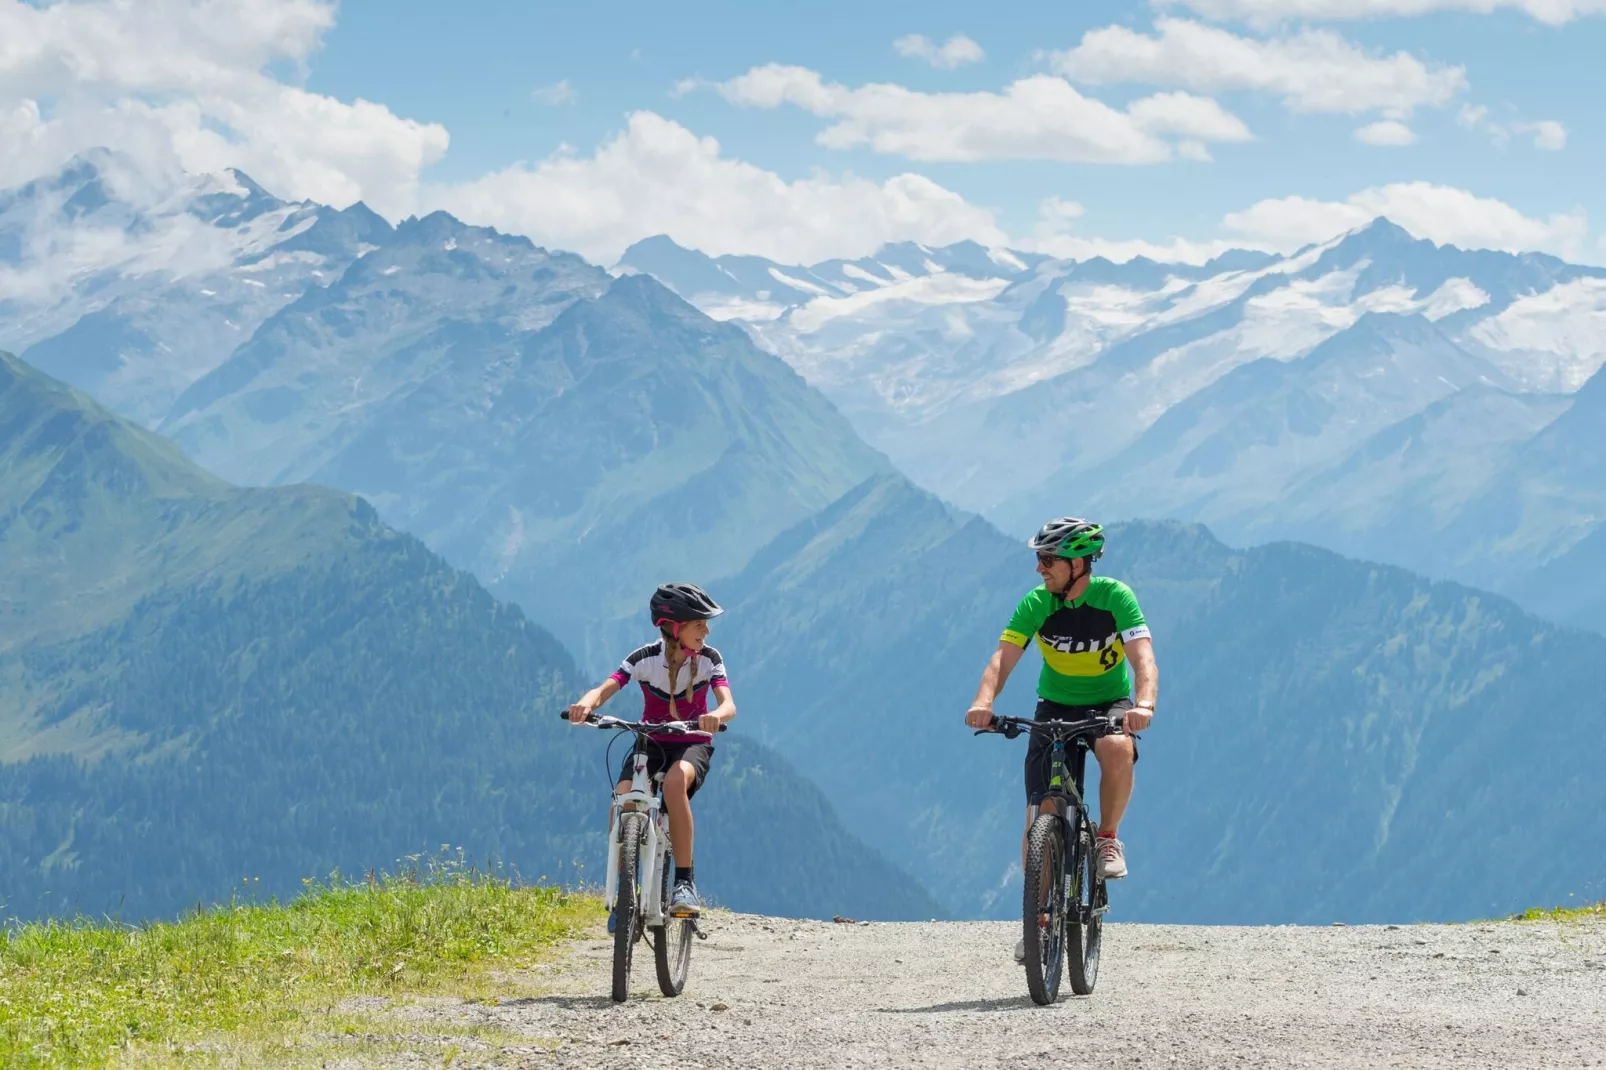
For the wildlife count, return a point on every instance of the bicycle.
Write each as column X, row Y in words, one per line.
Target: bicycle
column 641, row 870
column 1065, row 898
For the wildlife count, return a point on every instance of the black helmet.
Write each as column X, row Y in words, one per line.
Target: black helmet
column 677, row 603
column 1069, row 536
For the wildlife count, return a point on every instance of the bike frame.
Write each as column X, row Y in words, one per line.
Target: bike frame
column 1064, row 786
column 1068, row 788
column 643, row 797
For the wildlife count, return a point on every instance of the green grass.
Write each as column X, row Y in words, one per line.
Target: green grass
column 252, row 984
column 1579, row 913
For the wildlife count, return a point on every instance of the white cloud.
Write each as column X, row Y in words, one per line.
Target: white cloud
column 1173, row 251
column 560, row 92
column 1548, row 134
column 52, row 258
column 1036, row 118
column 955, row 52
column 1057, row 213
column 1442, row 214
column 184, row 84
column 1054, row 234
column 1271, row 12
column 658, row 177
column 1311, row 70
column 1386, row 133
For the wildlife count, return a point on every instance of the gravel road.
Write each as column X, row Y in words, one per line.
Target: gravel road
column 769, row 992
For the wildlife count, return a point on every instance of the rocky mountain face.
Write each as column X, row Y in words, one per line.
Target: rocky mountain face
column 572, row 439
column 131, row 286
column 1375, row 394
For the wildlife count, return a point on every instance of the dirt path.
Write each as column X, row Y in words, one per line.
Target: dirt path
column 768, row 992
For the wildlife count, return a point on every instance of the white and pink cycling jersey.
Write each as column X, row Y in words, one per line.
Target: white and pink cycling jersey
column 649, row 668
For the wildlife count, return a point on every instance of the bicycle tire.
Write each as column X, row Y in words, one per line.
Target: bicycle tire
column 627, row 904
column 671, row 945
column 1085, row 928
column 1043, row 923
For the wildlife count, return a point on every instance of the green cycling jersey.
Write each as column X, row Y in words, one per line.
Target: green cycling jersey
column 1083, row 642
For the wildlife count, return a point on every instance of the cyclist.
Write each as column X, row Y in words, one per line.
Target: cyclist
column 676, row 673
column 1088, row 628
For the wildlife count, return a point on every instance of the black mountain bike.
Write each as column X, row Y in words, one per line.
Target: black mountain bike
column 1065, row 899
column 641, row 870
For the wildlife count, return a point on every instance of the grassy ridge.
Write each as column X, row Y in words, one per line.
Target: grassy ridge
column 256, row 983
column 1580, row 913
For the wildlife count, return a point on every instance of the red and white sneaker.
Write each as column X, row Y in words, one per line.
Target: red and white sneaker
column 1112, row 858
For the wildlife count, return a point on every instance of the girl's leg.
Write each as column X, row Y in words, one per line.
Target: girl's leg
column 678, row 783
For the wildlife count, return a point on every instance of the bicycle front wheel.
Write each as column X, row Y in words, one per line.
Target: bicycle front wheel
column 671, row 946
column 1088, row 897
column 1043, row 908
column 627, row 906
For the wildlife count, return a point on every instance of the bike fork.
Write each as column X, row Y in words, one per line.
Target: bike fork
column 610, row 894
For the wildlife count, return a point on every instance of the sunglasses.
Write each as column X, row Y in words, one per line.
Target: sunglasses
column 1047, row 560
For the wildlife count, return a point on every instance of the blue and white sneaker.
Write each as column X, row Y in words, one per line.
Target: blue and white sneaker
column 684, row 902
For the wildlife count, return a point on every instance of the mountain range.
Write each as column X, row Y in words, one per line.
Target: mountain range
column 1377, row 394
column 571, row 436
column 203, row 685
column 530, row 417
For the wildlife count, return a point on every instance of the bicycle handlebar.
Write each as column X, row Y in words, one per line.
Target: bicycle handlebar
column 1010, row 727
column 681, row 728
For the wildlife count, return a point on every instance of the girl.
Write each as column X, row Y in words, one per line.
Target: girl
column 676, row 674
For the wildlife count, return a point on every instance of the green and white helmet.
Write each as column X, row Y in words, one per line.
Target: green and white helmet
column 1070, row 537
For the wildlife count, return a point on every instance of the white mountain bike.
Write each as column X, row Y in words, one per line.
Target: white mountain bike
column 641, row 868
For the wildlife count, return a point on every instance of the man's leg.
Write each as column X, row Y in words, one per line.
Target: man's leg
column 1117, row 755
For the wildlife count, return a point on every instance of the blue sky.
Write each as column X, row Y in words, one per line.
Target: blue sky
column 1173, row 128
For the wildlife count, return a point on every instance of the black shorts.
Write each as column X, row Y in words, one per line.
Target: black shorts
column 1037, row 756
column 661, row 756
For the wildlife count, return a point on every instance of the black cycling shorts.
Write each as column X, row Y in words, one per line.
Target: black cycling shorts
column 1037, row 756
column 661, row 756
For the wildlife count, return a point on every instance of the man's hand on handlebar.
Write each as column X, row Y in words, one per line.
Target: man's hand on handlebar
column 1137, row 719
column 979, row 717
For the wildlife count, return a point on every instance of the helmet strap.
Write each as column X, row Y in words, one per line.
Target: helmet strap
column 1087, row 571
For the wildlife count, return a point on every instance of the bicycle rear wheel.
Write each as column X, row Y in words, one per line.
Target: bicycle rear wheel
column 1043, row 908
column 672, row 943
column 627, row 906
column 1085, row 927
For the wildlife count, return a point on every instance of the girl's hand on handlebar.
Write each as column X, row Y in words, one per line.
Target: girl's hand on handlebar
column 580, row 712
column 709, row 723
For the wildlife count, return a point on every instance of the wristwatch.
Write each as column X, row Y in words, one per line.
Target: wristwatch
column 1143, row 706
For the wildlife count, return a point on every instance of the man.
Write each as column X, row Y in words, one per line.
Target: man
column 1088, row 628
